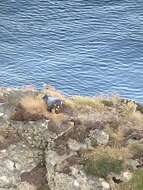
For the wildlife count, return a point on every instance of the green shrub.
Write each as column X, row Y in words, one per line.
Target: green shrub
column 103, row 167
column 107, row 103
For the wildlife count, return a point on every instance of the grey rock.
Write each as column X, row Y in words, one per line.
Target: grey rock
column 25, row 186
column 104, row 184
column 99, row 136
column 16, row 159
column 127, row 175
column 77, row 179
column 62, row 182
column 76, row 146
column 102, row 138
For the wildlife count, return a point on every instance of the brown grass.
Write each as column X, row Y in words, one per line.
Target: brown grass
column 100, row 152
column 34, row 105
column 87, row 101
column 30, row 108
column 116, row 138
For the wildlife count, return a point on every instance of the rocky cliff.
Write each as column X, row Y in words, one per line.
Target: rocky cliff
column 91, row 144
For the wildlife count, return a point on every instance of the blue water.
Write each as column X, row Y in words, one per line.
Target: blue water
column 85, row 47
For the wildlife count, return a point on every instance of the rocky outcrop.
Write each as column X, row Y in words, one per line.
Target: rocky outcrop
column 43, row 154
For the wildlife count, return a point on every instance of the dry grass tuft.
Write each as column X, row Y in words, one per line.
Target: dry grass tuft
column 126, row 109
column 30, row 109
column 136, row 120
column 99, row 152
column 70, row 103
column 116, row 138
column 34, row 105
column 88, row 101
column 87, row 104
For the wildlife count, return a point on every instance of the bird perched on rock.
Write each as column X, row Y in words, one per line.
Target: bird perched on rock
column 54, row 104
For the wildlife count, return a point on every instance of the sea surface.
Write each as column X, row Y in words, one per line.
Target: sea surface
column 82, row 47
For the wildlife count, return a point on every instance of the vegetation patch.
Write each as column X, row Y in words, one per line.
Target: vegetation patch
column 116, row 138
column 135, row 183
column 107, row 103
column 30, row 108
column 88, row 102
column 103, row 167
column 79, row 119
column 101, row 162
column 136, row 150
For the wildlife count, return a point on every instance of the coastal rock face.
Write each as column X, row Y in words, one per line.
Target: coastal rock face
column 41, row 154
column 59, row 177
column 25, row 186
column 67, row 151
column 13, row 162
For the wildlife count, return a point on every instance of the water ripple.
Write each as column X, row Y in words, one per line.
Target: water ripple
column 81, row 47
